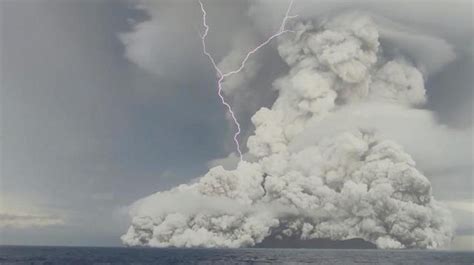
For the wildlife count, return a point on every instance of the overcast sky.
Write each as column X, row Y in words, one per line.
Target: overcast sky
column 103, row 103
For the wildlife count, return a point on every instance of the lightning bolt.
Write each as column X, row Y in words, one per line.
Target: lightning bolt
column 221, row 75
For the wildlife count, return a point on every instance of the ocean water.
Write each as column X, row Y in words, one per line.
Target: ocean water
column 94, row 255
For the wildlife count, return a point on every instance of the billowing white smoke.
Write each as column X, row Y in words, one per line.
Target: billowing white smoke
column 306, row 181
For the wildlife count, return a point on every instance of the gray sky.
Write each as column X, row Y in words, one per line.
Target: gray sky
column 90, row 125
column 84, row 131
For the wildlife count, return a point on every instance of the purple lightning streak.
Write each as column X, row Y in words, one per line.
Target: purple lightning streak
column 222, row 75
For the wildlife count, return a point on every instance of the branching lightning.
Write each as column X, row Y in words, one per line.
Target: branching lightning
column 221, row 75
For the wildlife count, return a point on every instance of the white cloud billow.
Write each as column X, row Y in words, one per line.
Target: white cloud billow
column 323, row 161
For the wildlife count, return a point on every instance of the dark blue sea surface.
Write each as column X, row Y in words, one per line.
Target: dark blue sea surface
column 99, row 255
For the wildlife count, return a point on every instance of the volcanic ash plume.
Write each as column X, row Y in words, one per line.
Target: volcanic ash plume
column 303, row 179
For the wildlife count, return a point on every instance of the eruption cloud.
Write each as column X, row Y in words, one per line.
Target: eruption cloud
column 221, row 75
column 320, row 162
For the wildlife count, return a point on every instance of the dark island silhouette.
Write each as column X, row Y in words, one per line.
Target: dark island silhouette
column 322, row 243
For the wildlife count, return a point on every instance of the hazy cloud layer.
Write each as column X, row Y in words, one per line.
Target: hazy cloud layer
column 27, row 221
